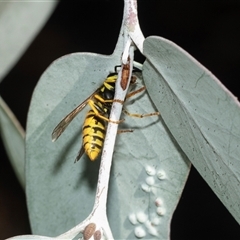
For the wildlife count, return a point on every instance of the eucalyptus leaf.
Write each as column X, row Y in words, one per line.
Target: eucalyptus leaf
column 61, row 194
column 200, row 112
column 13, row 136
column 19, row 23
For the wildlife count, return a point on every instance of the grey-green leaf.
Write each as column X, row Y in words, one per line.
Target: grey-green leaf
column 13, row 138
column 148, row 173
column 19, row 24
column 202, row 115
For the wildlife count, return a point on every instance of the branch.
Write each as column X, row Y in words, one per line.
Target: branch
column 132, row 23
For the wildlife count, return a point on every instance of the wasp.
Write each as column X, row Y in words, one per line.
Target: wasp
column 94, row 127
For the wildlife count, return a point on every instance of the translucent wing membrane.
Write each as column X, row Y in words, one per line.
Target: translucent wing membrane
column 60, row 128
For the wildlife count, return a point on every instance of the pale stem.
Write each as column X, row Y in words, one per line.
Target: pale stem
column 132, row 23
column 106, row 160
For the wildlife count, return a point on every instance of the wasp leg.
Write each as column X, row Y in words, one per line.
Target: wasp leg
column 119, row 101
column 140, row 115
column 95, row 110
column 135, row 92
column 136, row 114
column 124, row 130
column 103, row 100
column 130, row 95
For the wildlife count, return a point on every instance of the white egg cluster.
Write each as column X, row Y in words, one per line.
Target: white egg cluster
column 147, row 223
column 148, row 185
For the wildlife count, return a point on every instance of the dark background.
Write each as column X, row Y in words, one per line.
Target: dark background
column 208, row 30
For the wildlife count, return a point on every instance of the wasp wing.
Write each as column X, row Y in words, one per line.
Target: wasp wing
column 80, row 153
column 60, row 128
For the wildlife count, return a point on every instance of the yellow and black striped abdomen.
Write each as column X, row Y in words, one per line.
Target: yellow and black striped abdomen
column 93, row 135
